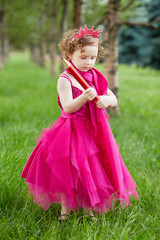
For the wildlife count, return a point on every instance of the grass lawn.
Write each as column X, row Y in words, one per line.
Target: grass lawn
column 28, row 103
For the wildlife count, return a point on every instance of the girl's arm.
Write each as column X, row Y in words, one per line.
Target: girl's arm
column 69, row 104
column 107, row 100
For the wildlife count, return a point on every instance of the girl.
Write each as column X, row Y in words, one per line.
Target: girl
column 76, row 162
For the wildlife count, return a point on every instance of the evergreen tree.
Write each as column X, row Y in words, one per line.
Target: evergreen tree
column 141, row 45
column 153, row 13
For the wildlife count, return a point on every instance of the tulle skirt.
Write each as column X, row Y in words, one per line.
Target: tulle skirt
column 68, row 166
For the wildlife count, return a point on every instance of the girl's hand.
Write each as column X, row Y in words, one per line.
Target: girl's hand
column 102, row 102
column 89, row 94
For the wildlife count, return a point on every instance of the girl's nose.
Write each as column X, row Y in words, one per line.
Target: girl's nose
column 88, row 62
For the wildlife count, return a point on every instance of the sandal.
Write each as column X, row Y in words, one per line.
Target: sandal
column 92, row 217
column 90, row 214
column 61, row 217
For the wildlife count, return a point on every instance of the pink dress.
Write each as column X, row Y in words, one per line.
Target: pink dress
column 77, row 161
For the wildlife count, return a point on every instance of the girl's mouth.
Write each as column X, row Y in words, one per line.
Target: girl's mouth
column 86, row 68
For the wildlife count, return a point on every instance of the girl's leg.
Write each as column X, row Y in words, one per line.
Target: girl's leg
column 64, row 212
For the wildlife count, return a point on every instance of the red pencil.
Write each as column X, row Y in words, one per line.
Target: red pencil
column 77, row 76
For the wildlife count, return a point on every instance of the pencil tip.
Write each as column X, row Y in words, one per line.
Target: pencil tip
column 66, row 63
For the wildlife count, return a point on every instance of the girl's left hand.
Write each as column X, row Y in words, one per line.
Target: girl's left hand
column 102, row 102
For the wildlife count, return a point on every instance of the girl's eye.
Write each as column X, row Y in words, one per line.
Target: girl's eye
column 83, row 57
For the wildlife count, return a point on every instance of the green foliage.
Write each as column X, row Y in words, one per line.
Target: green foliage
column 28, row 103
column 22, row 22
column 130, row 12
column 94, row 11
column 154, row 35
column 139, row 44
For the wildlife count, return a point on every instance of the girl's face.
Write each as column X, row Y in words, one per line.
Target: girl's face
column 84, row 59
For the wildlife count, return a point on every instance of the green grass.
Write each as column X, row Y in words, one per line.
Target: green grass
column 27, row 104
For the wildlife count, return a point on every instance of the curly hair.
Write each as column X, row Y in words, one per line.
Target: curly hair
column 68, row 45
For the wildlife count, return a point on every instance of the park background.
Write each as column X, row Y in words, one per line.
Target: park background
column 29, row 68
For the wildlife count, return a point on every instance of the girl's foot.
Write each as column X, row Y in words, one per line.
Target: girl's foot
column 90, row 213
column 93, row 217
column 64, row 215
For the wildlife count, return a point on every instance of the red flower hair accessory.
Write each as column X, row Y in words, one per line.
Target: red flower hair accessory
column 87, row 31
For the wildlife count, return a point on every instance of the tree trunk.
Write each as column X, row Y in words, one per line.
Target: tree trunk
column 5, row 48
column 42, row 44
column 38, row 47
column 77, row 13
column 111, row 21
column 32, row 51
column 1, row 39
column 52, row 38
column 64, row 25
column 64, row 22
column 35, row 53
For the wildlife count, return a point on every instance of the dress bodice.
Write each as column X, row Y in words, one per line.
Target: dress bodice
column 83, row 112
column 76, row 92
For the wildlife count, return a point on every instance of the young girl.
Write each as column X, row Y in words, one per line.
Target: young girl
column 76, row 162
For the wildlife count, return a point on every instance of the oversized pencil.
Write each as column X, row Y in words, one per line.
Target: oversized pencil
column 77, row 76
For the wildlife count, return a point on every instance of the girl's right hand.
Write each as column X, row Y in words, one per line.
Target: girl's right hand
column 89, row 94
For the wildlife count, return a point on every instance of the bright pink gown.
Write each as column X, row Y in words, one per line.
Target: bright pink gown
column 77, row 161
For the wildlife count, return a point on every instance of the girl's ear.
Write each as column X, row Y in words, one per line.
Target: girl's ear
column 69, row 55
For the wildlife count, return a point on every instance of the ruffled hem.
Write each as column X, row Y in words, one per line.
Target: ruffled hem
column 74, row 203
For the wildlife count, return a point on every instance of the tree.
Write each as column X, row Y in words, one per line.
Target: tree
column 128, row 45
column 153, row 35
column 112, row 24
column 53, row 36
column 1, row 39
column 63, row 24
column 4, row 43
column 25, row 27
column 77, row 13
column 37, row 33
column 111, row 20
column 42, row 42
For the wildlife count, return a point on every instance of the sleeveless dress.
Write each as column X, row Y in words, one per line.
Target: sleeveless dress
column 77, row 161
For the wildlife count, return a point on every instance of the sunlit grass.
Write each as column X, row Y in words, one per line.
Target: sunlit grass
column 27, row 104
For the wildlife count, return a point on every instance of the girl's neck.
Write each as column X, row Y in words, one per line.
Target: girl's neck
column 86, row 75
column 82, row 73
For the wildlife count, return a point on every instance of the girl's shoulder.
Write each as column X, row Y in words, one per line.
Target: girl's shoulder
column 67, row 76
column 74, row 83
